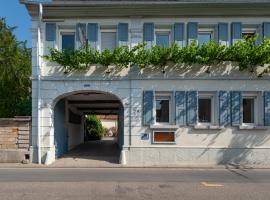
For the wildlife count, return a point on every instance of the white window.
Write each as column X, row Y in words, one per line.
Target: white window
column 163, row 35
column 248, row 110
column 206, row 108
column 108, row 39
column 163, row 108
column 163, row 39
column 67, row 41
column 249, row 31
column 251, row 108
column 205, row 35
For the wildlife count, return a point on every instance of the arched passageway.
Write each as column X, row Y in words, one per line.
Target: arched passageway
column 70, row 136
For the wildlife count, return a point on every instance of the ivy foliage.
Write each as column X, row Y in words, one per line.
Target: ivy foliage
column 244, row 52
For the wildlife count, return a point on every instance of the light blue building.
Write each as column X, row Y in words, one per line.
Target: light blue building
column 179, row 116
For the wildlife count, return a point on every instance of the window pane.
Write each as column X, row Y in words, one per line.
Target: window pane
column 162, row 111
column 162, row 39
column 204, row 38
column 248, row 110
column 205, row 110
column 68, row 42
column 108, row 40
column 163, row 136
column 248, row 35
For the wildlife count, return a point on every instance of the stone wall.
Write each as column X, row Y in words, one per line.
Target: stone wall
column 14, row 139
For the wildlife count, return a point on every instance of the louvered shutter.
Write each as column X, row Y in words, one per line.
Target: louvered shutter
column 81, row 35
column 148, row 34
column 50, row 31
column 179, row 31
column 224, row 108
column 192, row 107
column 123, row 34
column 192, row 32
column 236, row 102
column 180, row 108
column 260, row 34
column 266, row 97
column 266, row 29
column 223, row 33
column 236, row 32
column 92, row 35
column 148, row 102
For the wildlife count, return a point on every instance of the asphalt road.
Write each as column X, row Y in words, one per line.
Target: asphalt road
column 127, row 183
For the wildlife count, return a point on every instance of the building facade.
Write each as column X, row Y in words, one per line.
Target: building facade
column 175, row 116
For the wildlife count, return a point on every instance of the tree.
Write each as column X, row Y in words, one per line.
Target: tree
column 15, row 72
column 94, row 128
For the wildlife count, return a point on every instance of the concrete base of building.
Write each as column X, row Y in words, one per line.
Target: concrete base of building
column 13, row 155
column 177, row 156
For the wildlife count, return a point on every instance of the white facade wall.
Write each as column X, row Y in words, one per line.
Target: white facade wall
column 192, row 146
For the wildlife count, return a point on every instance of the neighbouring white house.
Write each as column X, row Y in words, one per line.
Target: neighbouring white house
column 176, row 115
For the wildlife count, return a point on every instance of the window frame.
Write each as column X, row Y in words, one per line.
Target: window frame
column 163, row 31
column 205, row 31
column 254, row 96
column 214, row 114
column 252, row 30
column 163, row 96
column 107, row 30
column 66, row 32
column 163, row 131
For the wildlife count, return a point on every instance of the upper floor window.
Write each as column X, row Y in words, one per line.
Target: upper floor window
column 68, row 41
column 249, row 32
column 108, row 39
column 163, row 39
column 205, row 35
column 163, row 35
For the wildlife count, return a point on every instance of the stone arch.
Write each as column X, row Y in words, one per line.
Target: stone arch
column 60, row 97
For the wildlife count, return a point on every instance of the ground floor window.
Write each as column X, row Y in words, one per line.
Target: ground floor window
column 162, row 108
column 206, row 108
column 163, row 136
column 248, row 110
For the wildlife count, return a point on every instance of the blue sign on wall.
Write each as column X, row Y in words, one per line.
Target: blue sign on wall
column 145, row 136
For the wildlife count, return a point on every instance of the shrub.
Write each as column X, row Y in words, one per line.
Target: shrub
column 94, row 128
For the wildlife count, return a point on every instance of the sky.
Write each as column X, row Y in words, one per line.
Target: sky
column 17, row 15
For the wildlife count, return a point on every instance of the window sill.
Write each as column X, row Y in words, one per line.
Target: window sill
column 208, row 127
column 164, row 126
column 253, row 127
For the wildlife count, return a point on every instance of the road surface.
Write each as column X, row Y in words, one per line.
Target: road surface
column 133, row 183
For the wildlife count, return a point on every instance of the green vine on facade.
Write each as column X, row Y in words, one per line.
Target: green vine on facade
column 248, row 56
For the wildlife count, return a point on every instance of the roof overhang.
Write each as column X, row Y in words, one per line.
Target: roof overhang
column 84, row 9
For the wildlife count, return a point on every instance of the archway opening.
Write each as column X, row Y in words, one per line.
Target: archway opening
column 73, row 141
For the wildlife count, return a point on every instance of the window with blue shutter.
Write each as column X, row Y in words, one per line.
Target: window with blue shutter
column 92, row 34
column 223, row 36
column 192, row 107
column 266, row 29
column 266, row 108
column 192, row 32
column 148, row 100
column 236, row 101
column 236, row 32
column 224, row 108
column 50, row 31
column 180, row 108
column 81, row 38
column 179, row 32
